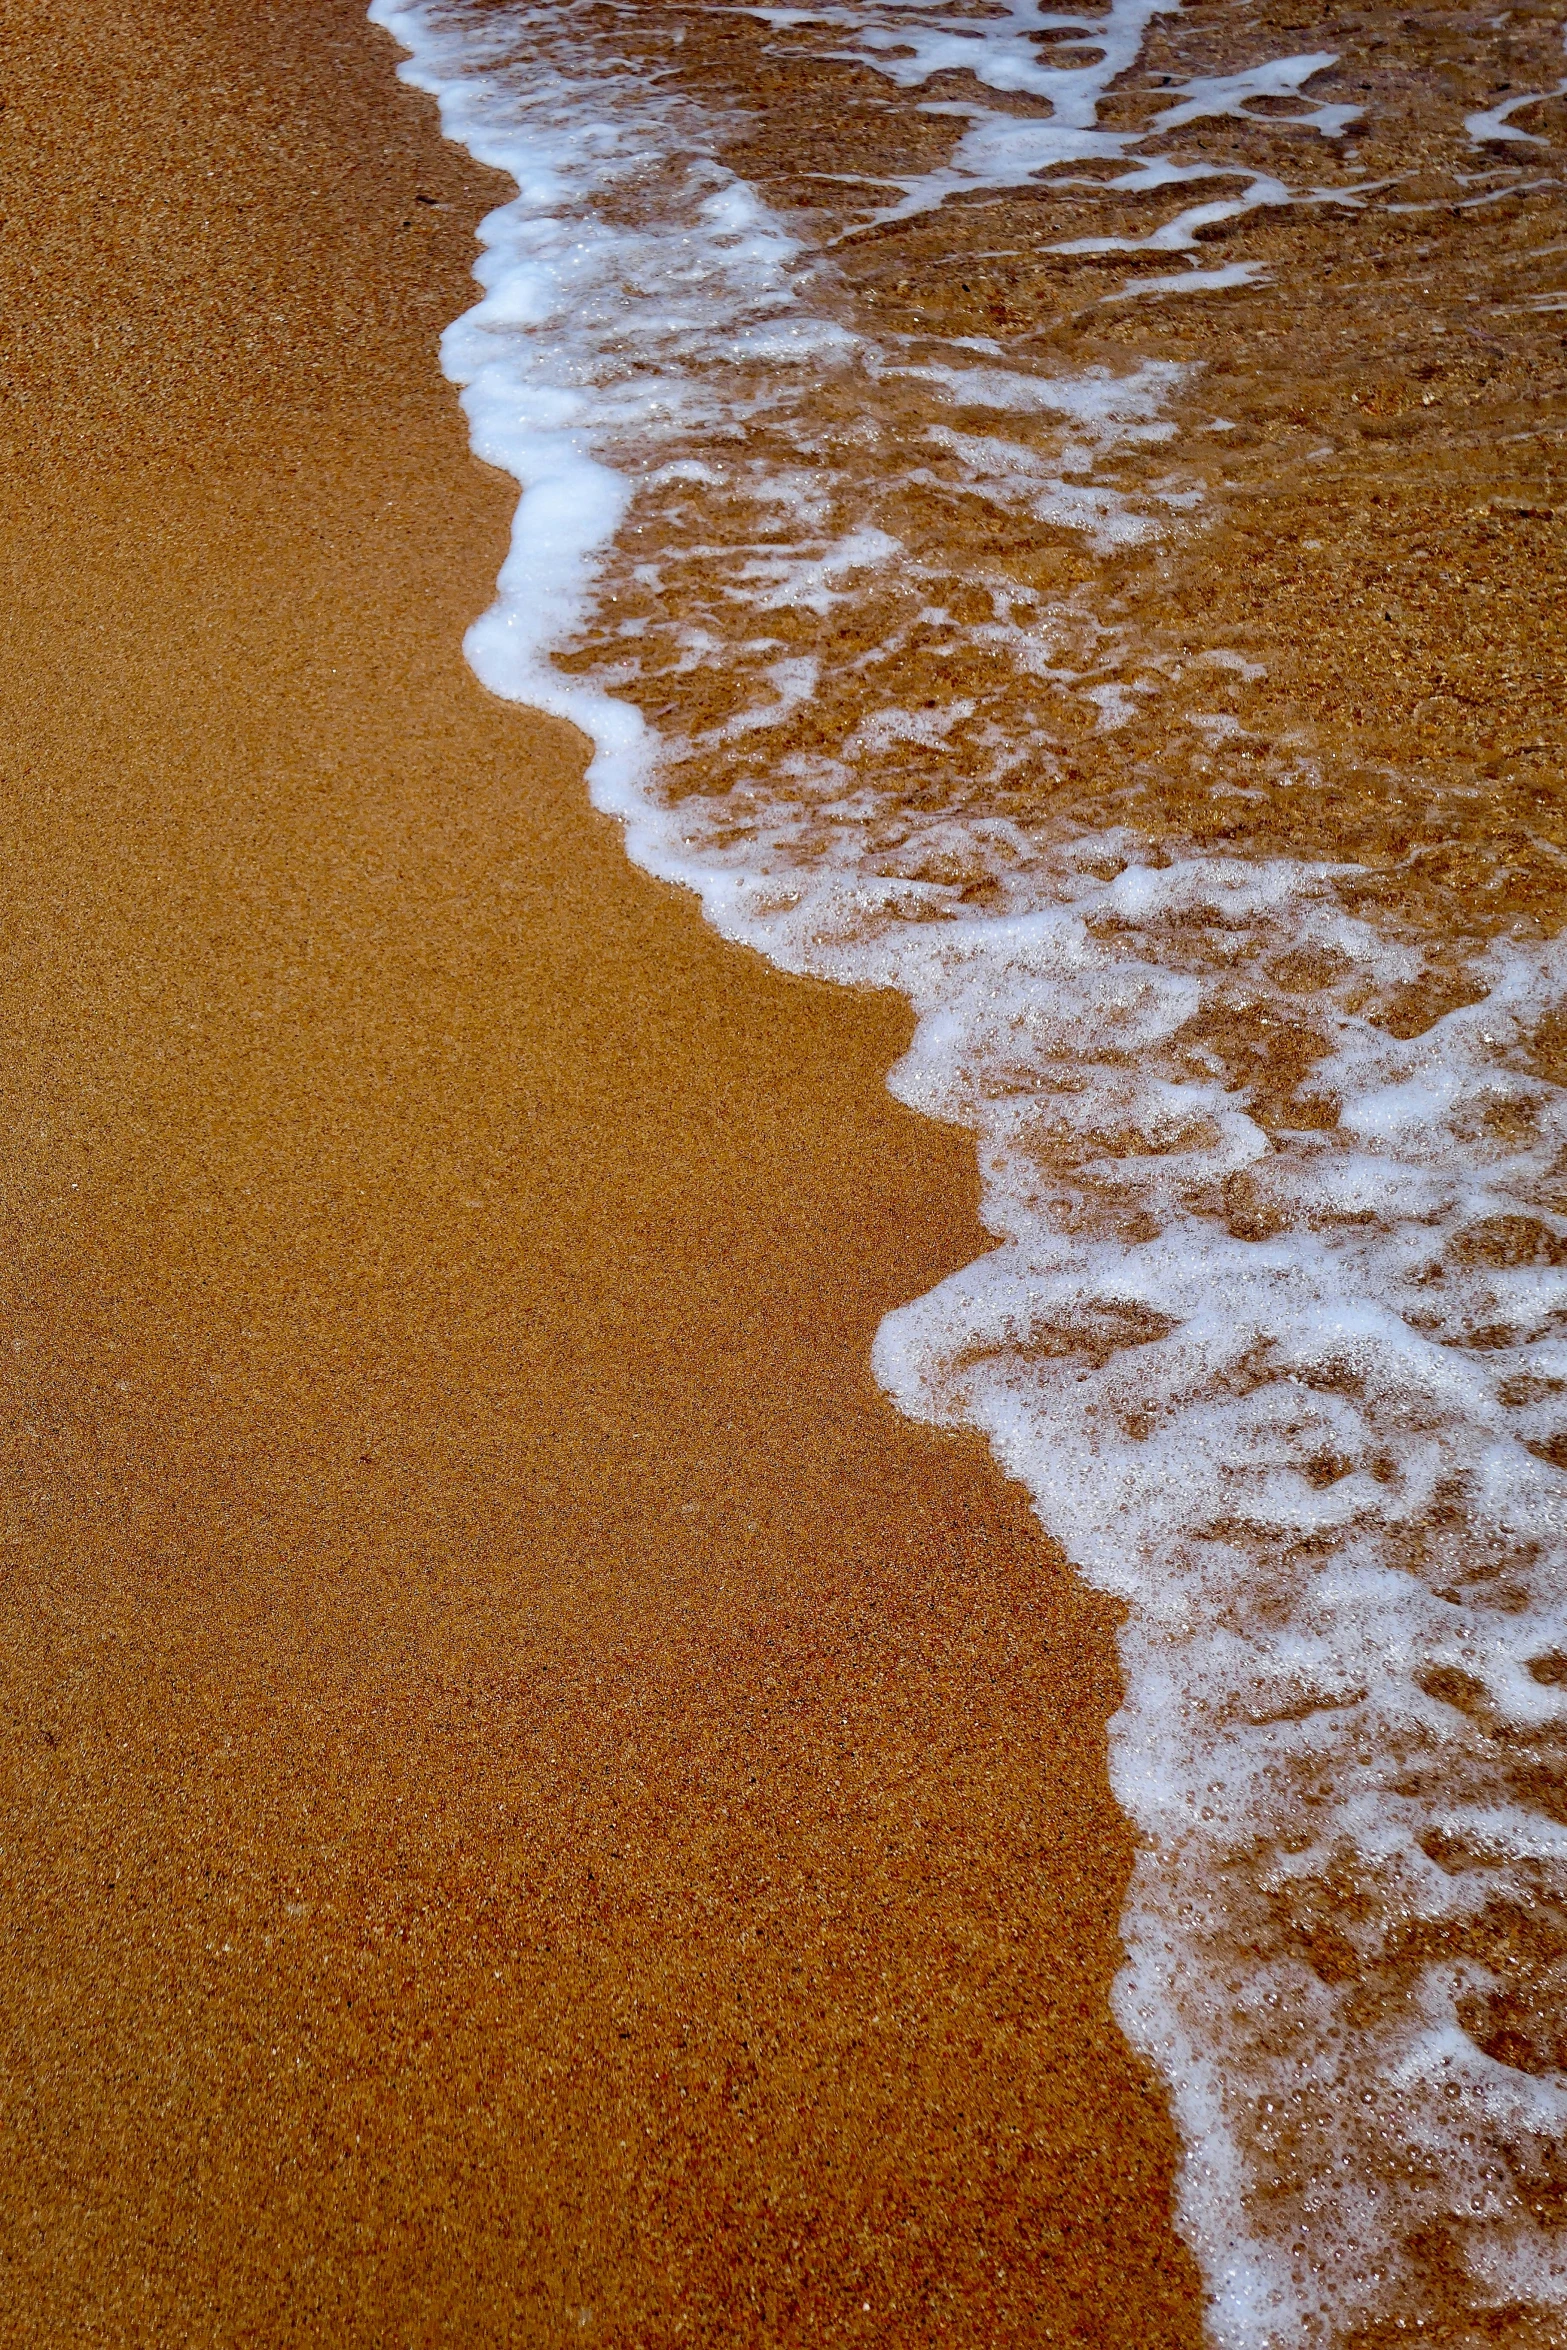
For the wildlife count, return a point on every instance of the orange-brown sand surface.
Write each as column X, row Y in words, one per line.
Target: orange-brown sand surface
column 536, row 1808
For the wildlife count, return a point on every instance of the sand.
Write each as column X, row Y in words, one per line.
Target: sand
column 536, row 1808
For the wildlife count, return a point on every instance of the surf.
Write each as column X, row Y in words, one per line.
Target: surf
column 864, row 597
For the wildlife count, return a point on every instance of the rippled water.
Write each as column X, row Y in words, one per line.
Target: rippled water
column 1054, row 513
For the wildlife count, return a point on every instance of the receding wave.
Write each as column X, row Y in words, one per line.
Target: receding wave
column 925, row 417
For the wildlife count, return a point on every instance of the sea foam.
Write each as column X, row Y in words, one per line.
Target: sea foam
column 1292, row 1385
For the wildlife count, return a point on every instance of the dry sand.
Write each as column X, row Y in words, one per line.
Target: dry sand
column 536, row 1808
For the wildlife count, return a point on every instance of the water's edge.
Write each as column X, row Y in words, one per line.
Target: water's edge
column 1309, row 1445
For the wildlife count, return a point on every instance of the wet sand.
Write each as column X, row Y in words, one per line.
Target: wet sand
column 537, row 1809
column 1371, row 410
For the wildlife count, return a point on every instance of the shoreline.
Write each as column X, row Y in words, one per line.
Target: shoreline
column 494, row 1836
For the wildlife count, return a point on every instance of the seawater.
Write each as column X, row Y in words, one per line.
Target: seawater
column 864, row 595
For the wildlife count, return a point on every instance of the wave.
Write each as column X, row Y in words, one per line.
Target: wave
column 866, row 614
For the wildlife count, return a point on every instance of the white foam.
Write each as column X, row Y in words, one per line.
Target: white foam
column 1290, row 1385
column 1196, row 281
column 1496, row 126
column 910, row 44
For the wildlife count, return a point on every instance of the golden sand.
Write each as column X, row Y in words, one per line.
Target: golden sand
column 536, row 1808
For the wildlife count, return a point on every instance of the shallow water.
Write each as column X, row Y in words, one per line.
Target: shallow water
column 1054, row 513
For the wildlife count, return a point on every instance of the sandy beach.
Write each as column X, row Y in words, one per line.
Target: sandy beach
column 537, row 1808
